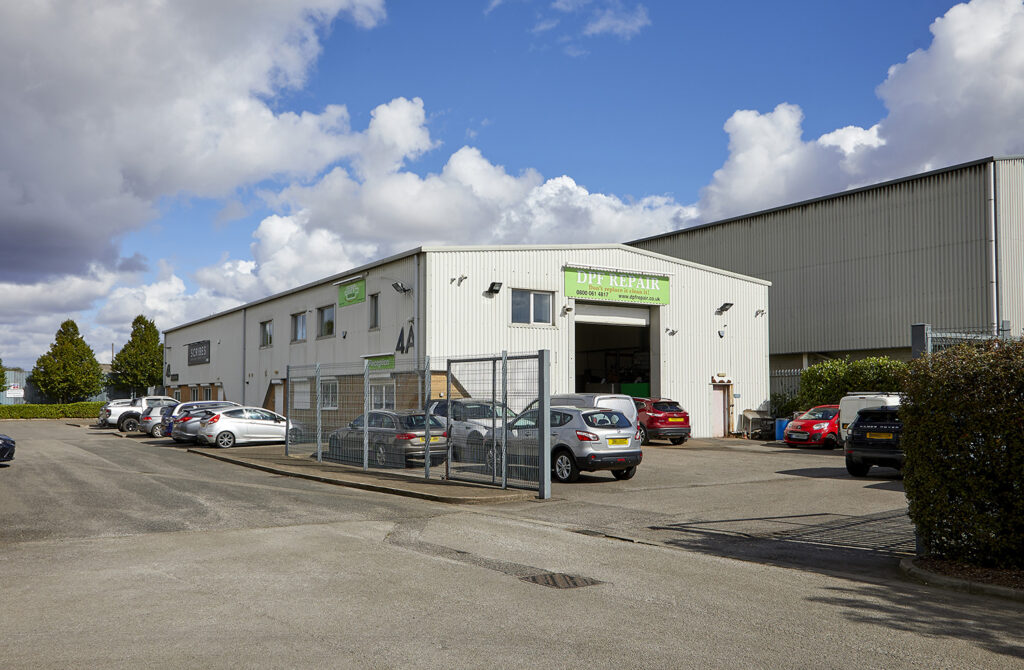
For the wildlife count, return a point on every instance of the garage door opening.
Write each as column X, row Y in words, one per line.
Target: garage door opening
column 613, row 349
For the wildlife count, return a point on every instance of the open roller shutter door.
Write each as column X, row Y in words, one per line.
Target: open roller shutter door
column 612, row 315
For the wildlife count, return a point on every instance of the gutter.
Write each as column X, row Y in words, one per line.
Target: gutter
column 991, row 245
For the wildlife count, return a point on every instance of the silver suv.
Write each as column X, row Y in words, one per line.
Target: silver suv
column 582, row 439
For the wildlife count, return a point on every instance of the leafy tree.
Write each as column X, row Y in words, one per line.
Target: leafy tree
column 825, row 383
column 69, row 371
column 139, row 364
column 3, row 376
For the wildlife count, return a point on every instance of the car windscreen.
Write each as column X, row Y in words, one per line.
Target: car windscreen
column 821, row 413
column 877, row 416
column 667, row 407
column 483, row 410
column 605, row 418
column 418, row 422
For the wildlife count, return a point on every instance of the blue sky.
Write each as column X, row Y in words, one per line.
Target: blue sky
column 176, row 160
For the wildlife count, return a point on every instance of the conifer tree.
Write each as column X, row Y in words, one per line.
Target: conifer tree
column 69, row 371
column 139, row 364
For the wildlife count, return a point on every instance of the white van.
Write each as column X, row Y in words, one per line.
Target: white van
column 616, row 401
column 851, row 403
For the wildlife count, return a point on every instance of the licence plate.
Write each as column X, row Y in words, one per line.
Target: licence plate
column 798, row 436
column 879, row 436
column 434, row 438
column 676, row 419
column 618, row 440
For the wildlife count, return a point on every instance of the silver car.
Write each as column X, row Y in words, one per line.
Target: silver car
column 187, row 431
column 152, row 420
column 396, row 438
column 582, row 439
column 467, row 422
column 241, row 425
column 186, row 426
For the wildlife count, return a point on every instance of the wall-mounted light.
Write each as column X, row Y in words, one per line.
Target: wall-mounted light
column 759, row 312
column 567, row 309
column 344, row 334
column 721, row 333
column 400, row 287
column 671, row 331
column 494, row 287
column 724, row 308
column 458, row 280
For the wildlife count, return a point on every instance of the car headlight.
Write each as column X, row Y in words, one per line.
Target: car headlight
column 820, row 426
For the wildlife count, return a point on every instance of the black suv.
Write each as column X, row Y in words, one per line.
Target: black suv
column 874, row 439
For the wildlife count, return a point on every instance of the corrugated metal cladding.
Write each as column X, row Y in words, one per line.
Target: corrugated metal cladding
column 462, row 320
column 1009, row 186
column 854, row 271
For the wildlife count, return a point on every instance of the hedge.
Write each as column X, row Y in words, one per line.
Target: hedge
column 825, row 383
column 75, row 410
column 963, row 434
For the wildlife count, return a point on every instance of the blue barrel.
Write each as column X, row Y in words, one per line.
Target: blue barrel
column 780, row 428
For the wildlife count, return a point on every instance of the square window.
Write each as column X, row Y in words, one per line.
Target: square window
column 266, row 333
column 325, row 321
column 207, row 393
column 328, row 394
column 300, row 395
column 299, row 327
column 532, row 307
column 177, row 395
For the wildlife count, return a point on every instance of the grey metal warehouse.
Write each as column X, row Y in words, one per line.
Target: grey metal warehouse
column 852, row 271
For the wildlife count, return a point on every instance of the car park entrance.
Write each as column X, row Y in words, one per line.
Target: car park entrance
column 613, row 349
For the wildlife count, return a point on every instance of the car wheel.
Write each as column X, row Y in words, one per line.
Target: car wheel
column 565, row 467
column 643, row 433
column 625, row 474
column 129, row 425
column 831, row 442
column 677, row 440
column 492, row 457
column 856, row 468
column 157, row 431
column 381, row 454
column 225, row 439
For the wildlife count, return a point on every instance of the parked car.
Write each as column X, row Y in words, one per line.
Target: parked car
column 241, row 425
column 874, row 439
column 397, row 438
column 171, row 414
column 467, row 420
column 818, row 426
column 152, row 420
column 128, row 418
column 6, row 448
column 661, row 418
column 617, row 401
column 582, row 439
column 851, row 403
column 106, row 411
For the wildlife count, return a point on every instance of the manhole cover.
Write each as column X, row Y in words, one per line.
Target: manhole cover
column 559, row 580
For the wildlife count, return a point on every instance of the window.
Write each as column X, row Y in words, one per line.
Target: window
column 177, row 395
column 300, row 395
column 374, row 310
column 382, row 395
column 207, row 393
column 328, row 394
column 266, row 333
column 531, row 306
column 299, row 327
column 325, row 321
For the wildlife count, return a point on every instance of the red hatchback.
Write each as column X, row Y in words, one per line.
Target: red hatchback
column 661, row 418
column 818, row 426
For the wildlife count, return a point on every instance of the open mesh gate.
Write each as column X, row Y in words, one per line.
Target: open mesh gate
column 462, row 411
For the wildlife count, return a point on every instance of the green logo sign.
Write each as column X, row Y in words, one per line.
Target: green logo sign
column 378, row 363
column 352, row 293
column 586, row 284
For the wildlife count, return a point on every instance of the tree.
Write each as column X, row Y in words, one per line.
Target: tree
column 69, row 371
column 139, row 364
column 3, row 376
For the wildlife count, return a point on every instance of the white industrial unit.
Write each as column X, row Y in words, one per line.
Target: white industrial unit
column 614, row 318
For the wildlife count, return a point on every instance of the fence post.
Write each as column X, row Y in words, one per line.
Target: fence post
column 504, row 424
column 544, row 423
column 287, row 407
column 426, row 419
column 366, row 414
column 448, row 420
column 319, row 417
column 920, row 339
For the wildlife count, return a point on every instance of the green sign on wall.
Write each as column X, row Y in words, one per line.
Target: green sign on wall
column 605, row 285
column 352, row 293
column 378, row 363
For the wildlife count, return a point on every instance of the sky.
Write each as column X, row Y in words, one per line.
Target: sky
column 175, row 159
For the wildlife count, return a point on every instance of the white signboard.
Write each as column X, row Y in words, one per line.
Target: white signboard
column 15, row 391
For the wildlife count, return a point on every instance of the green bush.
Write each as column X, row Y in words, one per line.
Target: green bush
column 75, row 410
column 825, row 383
column 963, row 434
column 783, row 405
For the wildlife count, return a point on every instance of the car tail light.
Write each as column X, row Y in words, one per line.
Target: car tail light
column 584, row 436
column 183, row 419
column 636, row 435
column 406, row 436
column 213, row 419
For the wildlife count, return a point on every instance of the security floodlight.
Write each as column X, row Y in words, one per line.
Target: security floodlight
column 400, row 287
column 724, row 308
column 494, row 287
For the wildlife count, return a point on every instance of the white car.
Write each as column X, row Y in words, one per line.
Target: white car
column 468, row 422
column 107, row 410
column 242, row 425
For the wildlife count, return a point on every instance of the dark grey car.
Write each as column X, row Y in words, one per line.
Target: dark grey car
column 396, row 439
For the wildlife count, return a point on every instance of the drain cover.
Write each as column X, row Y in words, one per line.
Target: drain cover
column 560, row 580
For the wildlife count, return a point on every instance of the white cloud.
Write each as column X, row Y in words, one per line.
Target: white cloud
column 619, row 22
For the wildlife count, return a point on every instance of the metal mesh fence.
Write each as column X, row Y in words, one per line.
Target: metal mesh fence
column 928, row 339
column 483, row 396
column 785, row 381
column 440, row 417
